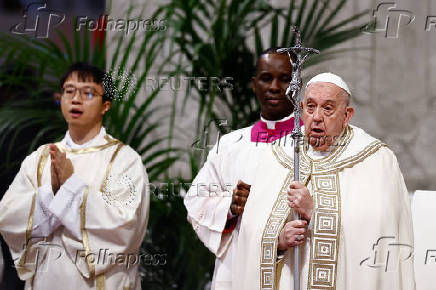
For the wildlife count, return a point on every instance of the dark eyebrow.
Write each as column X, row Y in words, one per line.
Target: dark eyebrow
column 85, row 87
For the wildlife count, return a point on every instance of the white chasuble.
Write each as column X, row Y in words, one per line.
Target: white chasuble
column 235, row 157
column 91, row 239
column 361, row 228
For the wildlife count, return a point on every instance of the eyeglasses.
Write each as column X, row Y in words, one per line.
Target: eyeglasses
column 85, row 93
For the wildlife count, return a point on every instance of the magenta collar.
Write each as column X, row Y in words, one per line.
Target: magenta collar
column 261, row 134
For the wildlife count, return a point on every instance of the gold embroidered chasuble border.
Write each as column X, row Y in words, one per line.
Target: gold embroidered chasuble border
column 323, row 175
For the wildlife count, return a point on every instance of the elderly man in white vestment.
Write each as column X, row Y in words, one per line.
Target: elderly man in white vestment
column 355, row 231
column 216, row 200
column 76, row 213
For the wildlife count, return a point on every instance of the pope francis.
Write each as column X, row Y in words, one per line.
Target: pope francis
column 355, row 230
column 76, row 213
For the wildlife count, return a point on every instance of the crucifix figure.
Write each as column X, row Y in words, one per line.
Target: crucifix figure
column 293, row 94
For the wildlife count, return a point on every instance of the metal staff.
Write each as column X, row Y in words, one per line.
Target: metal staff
column 293, row 94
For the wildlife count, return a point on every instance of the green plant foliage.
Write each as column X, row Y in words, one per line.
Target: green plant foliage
column 214, row 38
column 188, row 264
column 128, row 119
column 29, row 77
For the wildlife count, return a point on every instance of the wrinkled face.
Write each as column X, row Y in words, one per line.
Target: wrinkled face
column 270, row 83
column 325, row 114
column 82, row 110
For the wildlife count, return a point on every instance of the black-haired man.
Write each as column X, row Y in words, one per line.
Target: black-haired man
column 76, row 213
column 216, row 200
